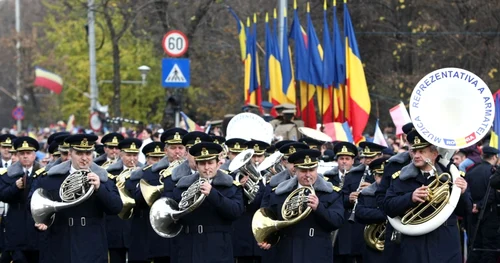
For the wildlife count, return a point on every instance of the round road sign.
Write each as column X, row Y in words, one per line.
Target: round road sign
column 95, row 122
column 18, row 113
column 175, row 43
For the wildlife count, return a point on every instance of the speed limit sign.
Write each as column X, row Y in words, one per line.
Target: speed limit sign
column 175, row 43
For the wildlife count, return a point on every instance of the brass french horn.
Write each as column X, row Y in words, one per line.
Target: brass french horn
column 151, row 193
column 127, row 200
column 165, row 212
column 374, row 236
column 74, row 190
column 265, row 225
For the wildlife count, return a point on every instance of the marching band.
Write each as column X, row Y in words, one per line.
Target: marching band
column 247, row 199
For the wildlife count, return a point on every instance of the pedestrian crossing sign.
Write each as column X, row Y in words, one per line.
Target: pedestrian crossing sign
column 176, row 73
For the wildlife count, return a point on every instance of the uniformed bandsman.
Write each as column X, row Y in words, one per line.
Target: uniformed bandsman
column 309, row 239
column 234, row 146
column 370, row 151
column 159, row 248
column 312, row 143
column 347, row 178
column 244, row 245
column 118, row 229
column 21, row 238
column 392, row 249
column 140, row 241
column 287, row 148
column 6, row 141
column 478, row 178
column 78, row 233
column 62, row 148
column 111, row 150
column 408, row 189
column 207, row 230
column 288, row 128
column 369, row 213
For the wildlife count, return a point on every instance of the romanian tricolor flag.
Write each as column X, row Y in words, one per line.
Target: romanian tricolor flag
column 357, row 90
column 307, row 109
column 254, row 89
column 48, row 80
column 273, row 82
column 494, row 142
column 189, row 124
column 288, row 80
column 242, row 36
column 338, row 131
column 339, row 72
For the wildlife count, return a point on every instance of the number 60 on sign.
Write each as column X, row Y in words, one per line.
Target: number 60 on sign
column 175, row 43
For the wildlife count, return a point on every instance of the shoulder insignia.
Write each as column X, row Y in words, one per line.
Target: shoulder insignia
column 39, row 172
column 274, row 189
column 112, row 177
column 396, row 174
column 3, row 171
column 336, row 188
column 147, row 167
column 326, row 178
column 224, row 171
column 236, row 183
column 462, row 173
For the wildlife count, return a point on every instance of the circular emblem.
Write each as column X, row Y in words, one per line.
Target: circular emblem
column 452, row 108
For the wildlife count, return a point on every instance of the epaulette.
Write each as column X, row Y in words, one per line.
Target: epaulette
column 236, row 183
column 462, row 173
column 147, row 167
column 326, row 178
column 274, row 189
column 3, row 171
column 336, row 188
column 396, row 174
column 39, row 172
column 112, row 177
column 224, row 171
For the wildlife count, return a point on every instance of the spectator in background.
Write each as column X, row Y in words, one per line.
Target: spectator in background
column 146, row 139
column 458, row 158
column 473, row 154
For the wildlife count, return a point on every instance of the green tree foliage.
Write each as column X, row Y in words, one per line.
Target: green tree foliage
column 64, row 49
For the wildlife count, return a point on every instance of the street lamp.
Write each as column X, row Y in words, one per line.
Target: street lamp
column 144, row 72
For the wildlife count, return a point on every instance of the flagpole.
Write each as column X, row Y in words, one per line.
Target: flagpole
column 282, row 5
column 19, row 103
column 92, row 56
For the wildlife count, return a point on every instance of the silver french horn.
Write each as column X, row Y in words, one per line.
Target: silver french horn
column 74, row 190
column 165, row 212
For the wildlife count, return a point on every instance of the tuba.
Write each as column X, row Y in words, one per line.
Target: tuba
column 74, row 190
column 127, row 200
column 151, row 193
column 265, row 224
column 165, row 212
column 374, row 236
column 452, row 127
column 243, row 163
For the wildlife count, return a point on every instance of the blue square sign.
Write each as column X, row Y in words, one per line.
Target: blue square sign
column 175, row 72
